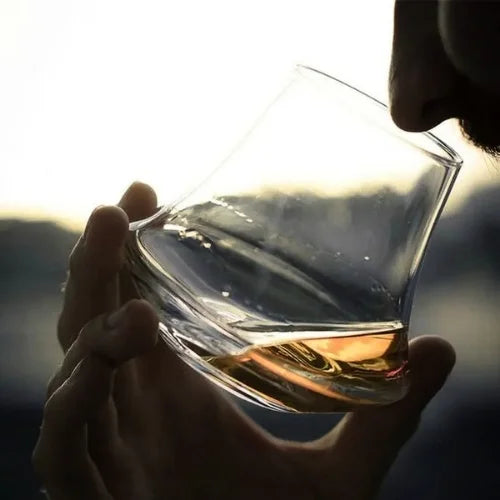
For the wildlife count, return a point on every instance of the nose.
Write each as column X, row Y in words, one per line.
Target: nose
column 423, row 84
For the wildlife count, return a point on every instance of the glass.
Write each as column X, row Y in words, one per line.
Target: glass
column 287, row 276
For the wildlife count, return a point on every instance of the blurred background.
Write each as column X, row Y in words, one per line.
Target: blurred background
column 97, row 94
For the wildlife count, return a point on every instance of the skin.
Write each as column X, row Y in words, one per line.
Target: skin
column 126, row 419
column 446, row 64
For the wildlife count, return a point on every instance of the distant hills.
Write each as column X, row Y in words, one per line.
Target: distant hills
column 33, row 254
column 469, row 240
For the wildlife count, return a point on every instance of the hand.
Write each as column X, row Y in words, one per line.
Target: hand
column 127, row 419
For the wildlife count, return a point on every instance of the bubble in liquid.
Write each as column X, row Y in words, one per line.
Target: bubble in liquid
column 366, row 257
column 225, row 293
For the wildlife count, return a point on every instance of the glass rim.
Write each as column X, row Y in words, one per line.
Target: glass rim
column 450, row 157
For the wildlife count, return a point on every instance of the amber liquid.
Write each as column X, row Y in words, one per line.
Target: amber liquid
column 323, row 375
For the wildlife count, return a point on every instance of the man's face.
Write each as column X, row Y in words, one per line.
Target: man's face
column 446, row 64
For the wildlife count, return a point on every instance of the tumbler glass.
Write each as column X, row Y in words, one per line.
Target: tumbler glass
column 287, row 275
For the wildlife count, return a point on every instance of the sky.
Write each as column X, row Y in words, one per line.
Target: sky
column 97, row 94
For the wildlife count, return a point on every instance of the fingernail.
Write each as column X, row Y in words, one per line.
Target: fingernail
column 116, row 318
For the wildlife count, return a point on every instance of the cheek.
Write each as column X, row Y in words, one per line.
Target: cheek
column 471, row 38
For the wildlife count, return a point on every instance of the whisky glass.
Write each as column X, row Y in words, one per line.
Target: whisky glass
column 287, row 276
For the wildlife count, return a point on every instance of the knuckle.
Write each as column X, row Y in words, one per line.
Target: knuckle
column 51, row 410
column 64, row 332
column 81, row 342
column 53, row 384
column 89, row 335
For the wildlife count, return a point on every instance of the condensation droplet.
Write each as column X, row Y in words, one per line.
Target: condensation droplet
column 366, row 258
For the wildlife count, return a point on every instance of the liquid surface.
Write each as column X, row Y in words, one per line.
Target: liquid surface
column 276, row 316
column 330, row 374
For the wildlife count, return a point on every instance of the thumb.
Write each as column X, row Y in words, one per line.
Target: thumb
column 364, row 445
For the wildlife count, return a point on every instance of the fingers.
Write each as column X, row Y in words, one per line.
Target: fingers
column 367, row 441
column 92, row 286
column 139, row 201
column 127, row 333
column 81, row 392
column 61, row 457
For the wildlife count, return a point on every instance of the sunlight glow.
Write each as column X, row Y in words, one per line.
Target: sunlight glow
column 97, row 94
